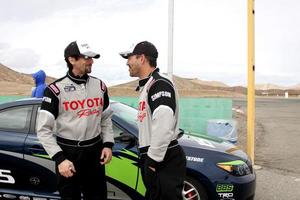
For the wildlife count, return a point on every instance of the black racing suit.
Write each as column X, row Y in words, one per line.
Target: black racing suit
column 158, row 131
column 74, row 123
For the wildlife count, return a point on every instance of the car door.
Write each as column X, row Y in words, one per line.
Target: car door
column 123, row 170
column 41, row 171
column 14, row 128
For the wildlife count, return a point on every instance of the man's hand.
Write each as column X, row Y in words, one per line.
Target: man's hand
column 66, row 168
column 105, row 156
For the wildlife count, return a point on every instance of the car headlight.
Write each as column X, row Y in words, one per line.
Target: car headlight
column 236, row 167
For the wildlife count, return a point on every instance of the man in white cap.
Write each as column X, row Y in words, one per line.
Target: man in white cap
column 75, row 128
column 163, row 161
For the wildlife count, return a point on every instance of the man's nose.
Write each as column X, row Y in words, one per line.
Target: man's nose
column 91, row 60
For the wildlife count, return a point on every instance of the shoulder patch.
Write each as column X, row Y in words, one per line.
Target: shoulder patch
column 54, row 89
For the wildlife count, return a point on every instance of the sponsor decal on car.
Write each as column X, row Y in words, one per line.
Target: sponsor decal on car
column 6, row 177
column 42, row 156
column 226, row 195
column 194, row 159
column 224, row 191
column 129, row 162
column 224, row 188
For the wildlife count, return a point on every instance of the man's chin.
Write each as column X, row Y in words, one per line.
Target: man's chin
column 132, row 74
column 88, row 71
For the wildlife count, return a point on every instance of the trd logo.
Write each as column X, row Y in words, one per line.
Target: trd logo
column 226, row 196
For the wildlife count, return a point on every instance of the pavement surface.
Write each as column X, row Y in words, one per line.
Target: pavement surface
column 277, row 147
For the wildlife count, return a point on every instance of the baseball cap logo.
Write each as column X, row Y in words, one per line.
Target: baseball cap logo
column 78, row 48
column 84, row 46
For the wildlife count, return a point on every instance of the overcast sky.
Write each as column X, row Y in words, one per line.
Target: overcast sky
column 210, row 37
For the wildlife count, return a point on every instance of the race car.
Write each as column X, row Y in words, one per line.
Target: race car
column 215, row 168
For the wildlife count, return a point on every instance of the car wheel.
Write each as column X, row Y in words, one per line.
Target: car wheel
column 193, row 190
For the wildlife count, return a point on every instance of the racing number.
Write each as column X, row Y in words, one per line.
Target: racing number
column 5, row 177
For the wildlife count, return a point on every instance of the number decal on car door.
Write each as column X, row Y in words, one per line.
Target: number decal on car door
column 5, row 177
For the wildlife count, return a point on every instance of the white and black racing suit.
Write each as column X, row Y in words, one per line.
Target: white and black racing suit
column 74, row 123
column 158, row 131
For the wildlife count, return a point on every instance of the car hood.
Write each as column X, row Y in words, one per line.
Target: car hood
column 211, row 143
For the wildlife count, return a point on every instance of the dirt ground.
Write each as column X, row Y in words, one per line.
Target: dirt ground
column 241, row 119
column 276, row 132
column 277, row 141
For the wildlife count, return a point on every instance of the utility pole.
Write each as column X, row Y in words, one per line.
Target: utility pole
column 170, row 38
column 251, row 83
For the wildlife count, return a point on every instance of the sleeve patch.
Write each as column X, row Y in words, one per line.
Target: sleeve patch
column 54, row 89
column 161, row 94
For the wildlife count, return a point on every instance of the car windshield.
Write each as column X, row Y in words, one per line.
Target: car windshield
column 125, row 112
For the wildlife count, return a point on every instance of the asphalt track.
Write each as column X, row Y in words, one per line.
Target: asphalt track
column 277, row 147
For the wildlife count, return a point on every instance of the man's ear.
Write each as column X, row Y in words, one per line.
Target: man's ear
column 71, row 60
column 143, row 58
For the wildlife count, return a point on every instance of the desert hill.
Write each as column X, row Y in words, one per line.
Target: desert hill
column 297, row 87
column 16, row 83
column 210, row 83
column 186, row 87
column 276, row 90
column 269, row 86
column 198, row 88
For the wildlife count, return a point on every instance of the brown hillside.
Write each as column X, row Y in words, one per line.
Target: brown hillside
column 295, row 87
column 269, row 86
column 16, row 83
column 186, row 88
column 210, row 83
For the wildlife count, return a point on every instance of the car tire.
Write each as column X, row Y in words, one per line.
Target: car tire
column 193, row 190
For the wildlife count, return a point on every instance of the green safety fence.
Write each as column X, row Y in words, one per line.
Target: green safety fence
column 194, row 112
